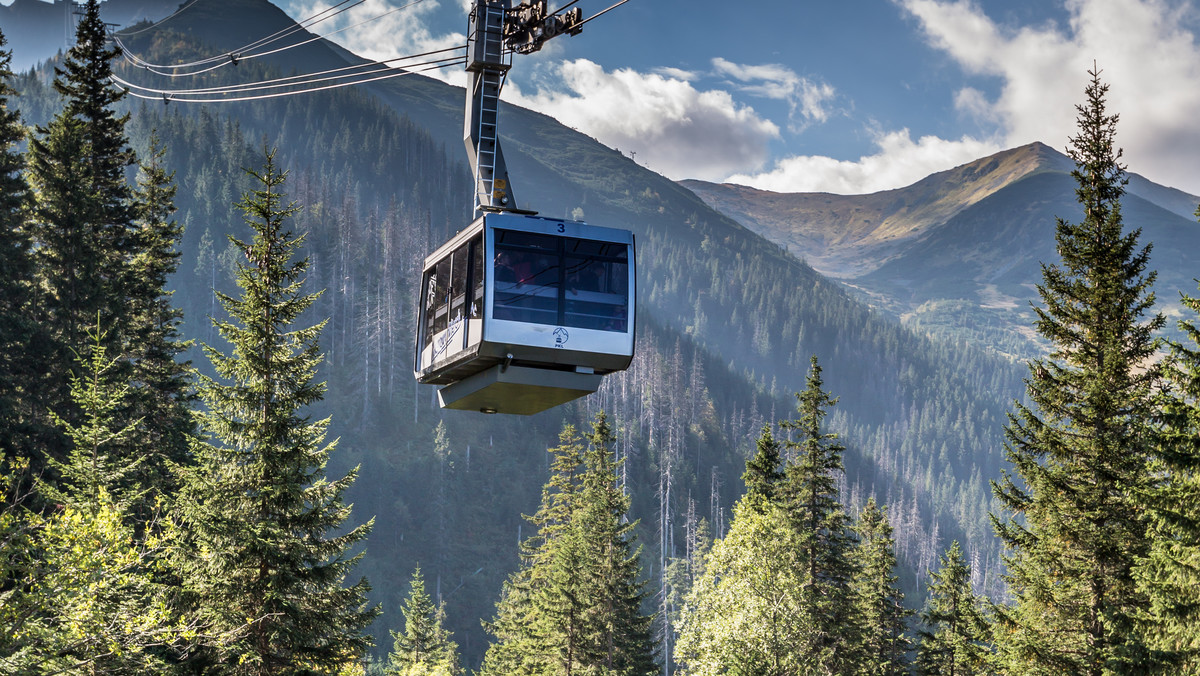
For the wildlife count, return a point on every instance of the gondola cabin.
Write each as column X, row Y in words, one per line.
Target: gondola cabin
column 522, row 313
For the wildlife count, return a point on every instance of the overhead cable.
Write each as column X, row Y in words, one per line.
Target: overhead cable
column 233, row 55
column 167, row 97
column 160, row 22
column 344, row 69
column 234, row 58
column 360, row 71
column 603, row 11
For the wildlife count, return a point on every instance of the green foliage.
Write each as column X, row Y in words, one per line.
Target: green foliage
column 574, row 605
column 1083, row 449
column 956, row 642
column 425, row 646
column 262, row 568
column 1169, row 572
column 83, row 200
column 811, row 498
column 82, row 591
column 882, row 616
column 18, row 328
column 156, row 346
column 763, row 474
column 622, row 643
column 782, row 592
column 744, row 614
column 94, row 464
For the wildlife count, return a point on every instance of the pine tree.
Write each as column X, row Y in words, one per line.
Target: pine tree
column 163, row 393
column 262, row 568
column 574, row 605
column 94, row 464
column 879, row 602
column 84, row 596
column 18, row 328
column 623, row 644
column 763, row 474
column 956, row 642
column 1083, row 449
column 822, row 530
column 525, row 635
column 82, row 222
column 425, row 647
column 84, row 201
column 1170, row 574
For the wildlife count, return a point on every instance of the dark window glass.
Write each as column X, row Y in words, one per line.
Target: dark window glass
column 597, row 294
column 476, row 278
column 527, row 277
column 561, row 281
column 439, row 296
column 458, row 284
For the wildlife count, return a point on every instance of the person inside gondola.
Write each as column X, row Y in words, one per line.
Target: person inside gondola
column 504, row 268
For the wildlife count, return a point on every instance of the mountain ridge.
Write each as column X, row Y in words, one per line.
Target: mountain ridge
column 958, row 252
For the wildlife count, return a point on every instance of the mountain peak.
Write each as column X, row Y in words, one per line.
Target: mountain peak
column 847, row 235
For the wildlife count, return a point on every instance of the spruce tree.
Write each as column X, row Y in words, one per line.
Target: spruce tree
column 822, row 530
column 18, row 329
column 1082, row 450
column 424, row 648
column 955, row 642
column 265, row 563
column 774, row 595
column 763, row 474
column 879, row 603
column 1170, row 574
column 163, row 393
column 573, row 606
column 84, row 206
column 623, row 643
column 84, row 598
column 82, row 219
column 94, row 464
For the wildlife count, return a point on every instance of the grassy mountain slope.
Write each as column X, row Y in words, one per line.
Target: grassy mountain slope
column 847, row 236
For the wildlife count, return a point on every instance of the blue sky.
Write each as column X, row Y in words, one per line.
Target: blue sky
column 845, row 97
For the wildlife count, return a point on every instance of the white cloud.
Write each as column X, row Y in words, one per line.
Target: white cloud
column 1146, row 54
column 675, row 128
column 389, row 29
column 807, row 99
column 899, row 161
column 677, row 73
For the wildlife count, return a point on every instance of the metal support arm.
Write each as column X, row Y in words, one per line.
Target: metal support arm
column 495, row 29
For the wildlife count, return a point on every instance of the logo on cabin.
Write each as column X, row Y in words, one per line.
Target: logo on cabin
column 561, row 337
column 441, row 342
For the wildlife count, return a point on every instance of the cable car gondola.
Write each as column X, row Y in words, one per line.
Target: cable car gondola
column 519, row 313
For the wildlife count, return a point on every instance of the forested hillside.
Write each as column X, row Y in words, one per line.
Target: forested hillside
column 728, row 322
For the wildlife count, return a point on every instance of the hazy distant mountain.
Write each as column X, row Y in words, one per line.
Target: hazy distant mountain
column 37, row 30
column 961, row 249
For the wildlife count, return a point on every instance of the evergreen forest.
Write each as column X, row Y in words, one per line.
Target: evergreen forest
column 214, row 458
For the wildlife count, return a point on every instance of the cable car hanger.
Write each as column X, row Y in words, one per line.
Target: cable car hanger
column 520, row 313
column 495, row 30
